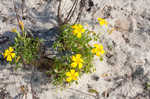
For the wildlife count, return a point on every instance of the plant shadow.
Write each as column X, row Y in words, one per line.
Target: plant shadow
column 37, row 78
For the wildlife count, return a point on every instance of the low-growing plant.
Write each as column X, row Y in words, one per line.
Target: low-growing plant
column 74, row 48
column 75, row 54
column 25, row 50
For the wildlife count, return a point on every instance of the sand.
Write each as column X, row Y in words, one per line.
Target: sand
column 122, row 74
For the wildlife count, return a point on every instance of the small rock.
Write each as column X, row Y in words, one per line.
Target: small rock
column 112, row 59
column 95, row 77
column 122, row 24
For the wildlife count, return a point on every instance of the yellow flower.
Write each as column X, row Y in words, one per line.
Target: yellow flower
column 78, row 30
column 14, row 30
column 102, row 22
column 21, row 25
column 9, row 54
column 98, row 49
column 77, row 61
column 72, row 75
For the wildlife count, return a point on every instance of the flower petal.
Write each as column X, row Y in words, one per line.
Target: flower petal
column 6, row 53
column 68, row 79
column 11, row 49
column 13, row 55
column 80, row 26
column 9, row 58
column 74, row 64
column 74, row 78
column 80, row 65
column 100, row 19
column 103, row 22
column 97, row 53
column 72, row 71
column 76, row 74
column 93, row 50
column 68, row 74
column 75, row 32
column 103, row 51
column 79, row 35
column 81, row 60
column 73, row 58
column 82, row 30
column 78, row 55
column 96, row 45
column 100, row 46
column 73, row 26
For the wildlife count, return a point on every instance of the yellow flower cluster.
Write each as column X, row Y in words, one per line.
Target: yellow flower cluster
column 102, row 22
column 78, row 30
column 9, row 54
column 72, row 75
column 98, row 49
column 77, row 61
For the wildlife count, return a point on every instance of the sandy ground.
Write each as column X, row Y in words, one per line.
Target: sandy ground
column 126, row 64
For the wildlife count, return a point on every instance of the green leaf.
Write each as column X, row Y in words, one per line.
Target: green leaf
column 93, row 91
column 101, row 58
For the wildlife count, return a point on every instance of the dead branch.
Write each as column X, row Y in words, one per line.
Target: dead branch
column 71, row 12
column 82, row 5
column 58, row 13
